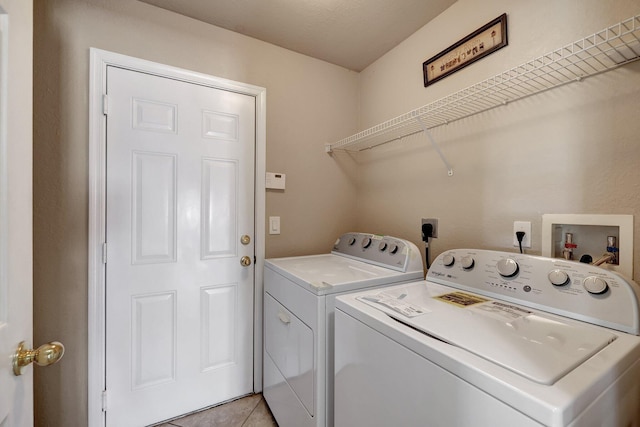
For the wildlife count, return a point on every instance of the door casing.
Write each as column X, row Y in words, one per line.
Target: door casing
column 100, row 59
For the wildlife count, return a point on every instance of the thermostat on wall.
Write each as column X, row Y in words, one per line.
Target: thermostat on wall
column 275, row 181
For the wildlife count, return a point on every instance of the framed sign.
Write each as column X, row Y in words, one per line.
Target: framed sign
column 480, row 43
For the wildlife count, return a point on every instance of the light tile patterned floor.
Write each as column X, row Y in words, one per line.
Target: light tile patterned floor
column 250, row 411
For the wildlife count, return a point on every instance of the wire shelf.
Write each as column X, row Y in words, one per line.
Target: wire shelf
column 605, row 50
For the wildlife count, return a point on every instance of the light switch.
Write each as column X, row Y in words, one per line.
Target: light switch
column 274, row 225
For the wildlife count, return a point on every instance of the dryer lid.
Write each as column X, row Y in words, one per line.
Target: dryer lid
column 536, row 345
column 329, row 273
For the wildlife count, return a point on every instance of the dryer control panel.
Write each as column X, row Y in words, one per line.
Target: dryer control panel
column 385, row 251
column 571, row 289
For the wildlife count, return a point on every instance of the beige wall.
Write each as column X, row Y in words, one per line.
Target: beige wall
column 574, row 149
column 309, row 103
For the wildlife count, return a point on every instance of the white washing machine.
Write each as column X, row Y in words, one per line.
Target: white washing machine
column 491, row 339
column 298, row 318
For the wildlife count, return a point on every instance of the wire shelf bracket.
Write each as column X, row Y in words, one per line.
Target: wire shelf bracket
column 435, row 146
column 605, row 50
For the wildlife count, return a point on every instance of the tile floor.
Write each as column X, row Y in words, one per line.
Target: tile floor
column 250, row 411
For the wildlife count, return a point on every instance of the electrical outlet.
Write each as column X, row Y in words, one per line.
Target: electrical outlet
column 522, row 226
column 434, row 224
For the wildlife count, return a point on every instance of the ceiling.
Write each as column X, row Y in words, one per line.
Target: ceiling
column 349, row 33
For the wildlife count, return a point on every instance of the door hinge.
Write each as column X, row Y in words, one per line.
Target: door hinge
column 105, row 104
column 104, row 400
column 104, row 253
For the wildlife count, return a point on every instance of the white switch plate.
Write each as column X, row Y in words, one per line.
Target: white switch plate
column 274, row 225
column 522, row 226
column 275, row 181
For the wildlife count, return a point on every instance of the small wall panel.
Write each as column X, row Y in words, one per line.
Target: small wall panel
column 219, row 208
column 153, row 339
column 220, row 125
column 154, row 208
column 218, row 325
column 154, row 116
column 4, row 288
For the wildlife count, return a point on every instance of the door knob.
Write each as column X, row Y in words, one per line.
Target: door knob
column 245, row 261
column 45, row 355
column 245, row 240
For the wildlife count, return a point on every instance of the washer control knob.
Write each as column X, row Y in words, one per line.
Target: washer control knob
column 558, row 277
column 352, row 241
column 366, row 242
column 467, row 262
column 507, row 267
column 448, row 260
column 382, row 246
column 393, row 249
column 595, row 285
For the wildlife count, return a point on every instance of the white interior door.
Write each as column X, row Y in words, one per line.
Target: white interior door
column 16, row 392
column 180, row 197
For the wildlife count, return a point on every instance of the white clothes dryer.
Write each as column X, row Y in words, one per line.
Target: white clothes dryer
column 491, row 339
column 298, row 318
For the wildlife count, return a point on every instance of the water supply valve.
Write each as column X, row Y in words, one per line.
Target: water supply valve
column 569, row 246
column 613, row 249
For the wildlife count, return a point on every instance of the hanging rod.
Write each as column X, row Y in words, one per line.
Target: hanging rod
column 605, row 50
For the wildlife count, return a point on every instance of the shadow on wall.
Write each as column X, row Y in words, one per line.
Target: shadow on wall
column 60, row 185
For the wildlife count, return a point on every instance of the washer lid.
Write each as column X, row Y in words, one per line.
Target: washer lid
column 536, row 345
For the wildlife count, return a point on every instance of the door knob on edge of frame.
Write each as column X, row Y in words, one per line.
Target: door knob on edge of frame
column 245, row 261
column 45, row 355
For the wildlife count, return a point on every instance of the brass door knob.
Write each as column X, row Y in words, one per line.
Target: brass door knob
column 245, row 261
column 45, row 355
column 245, row 240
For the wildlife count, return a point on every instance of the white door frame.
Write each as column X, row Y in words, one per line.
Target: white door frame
column 100, row 59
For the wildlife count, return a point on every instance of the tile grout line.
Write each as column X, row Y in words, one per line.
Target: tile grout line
column 252, row 411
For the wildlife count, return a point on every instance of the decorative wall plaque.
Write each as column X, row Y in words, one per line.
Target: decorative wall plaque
column 480, row 43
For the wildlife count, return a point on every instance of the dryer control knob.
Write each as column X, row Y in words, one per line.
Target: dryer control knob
column 467, row 262
column 558, row 278
column 507, row 267
column 393, row 249
column 382, row 246
column 448, row 260
column 595, row 285
column 352, row 241
column 366, row 242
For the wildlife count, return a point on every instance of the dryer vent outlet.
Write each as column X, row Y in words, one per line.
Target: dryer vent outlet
column 434, row 226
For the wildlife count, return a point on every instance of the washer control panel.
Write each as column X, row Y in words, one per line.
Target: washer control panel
column 572, row 289
column 385, row 251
